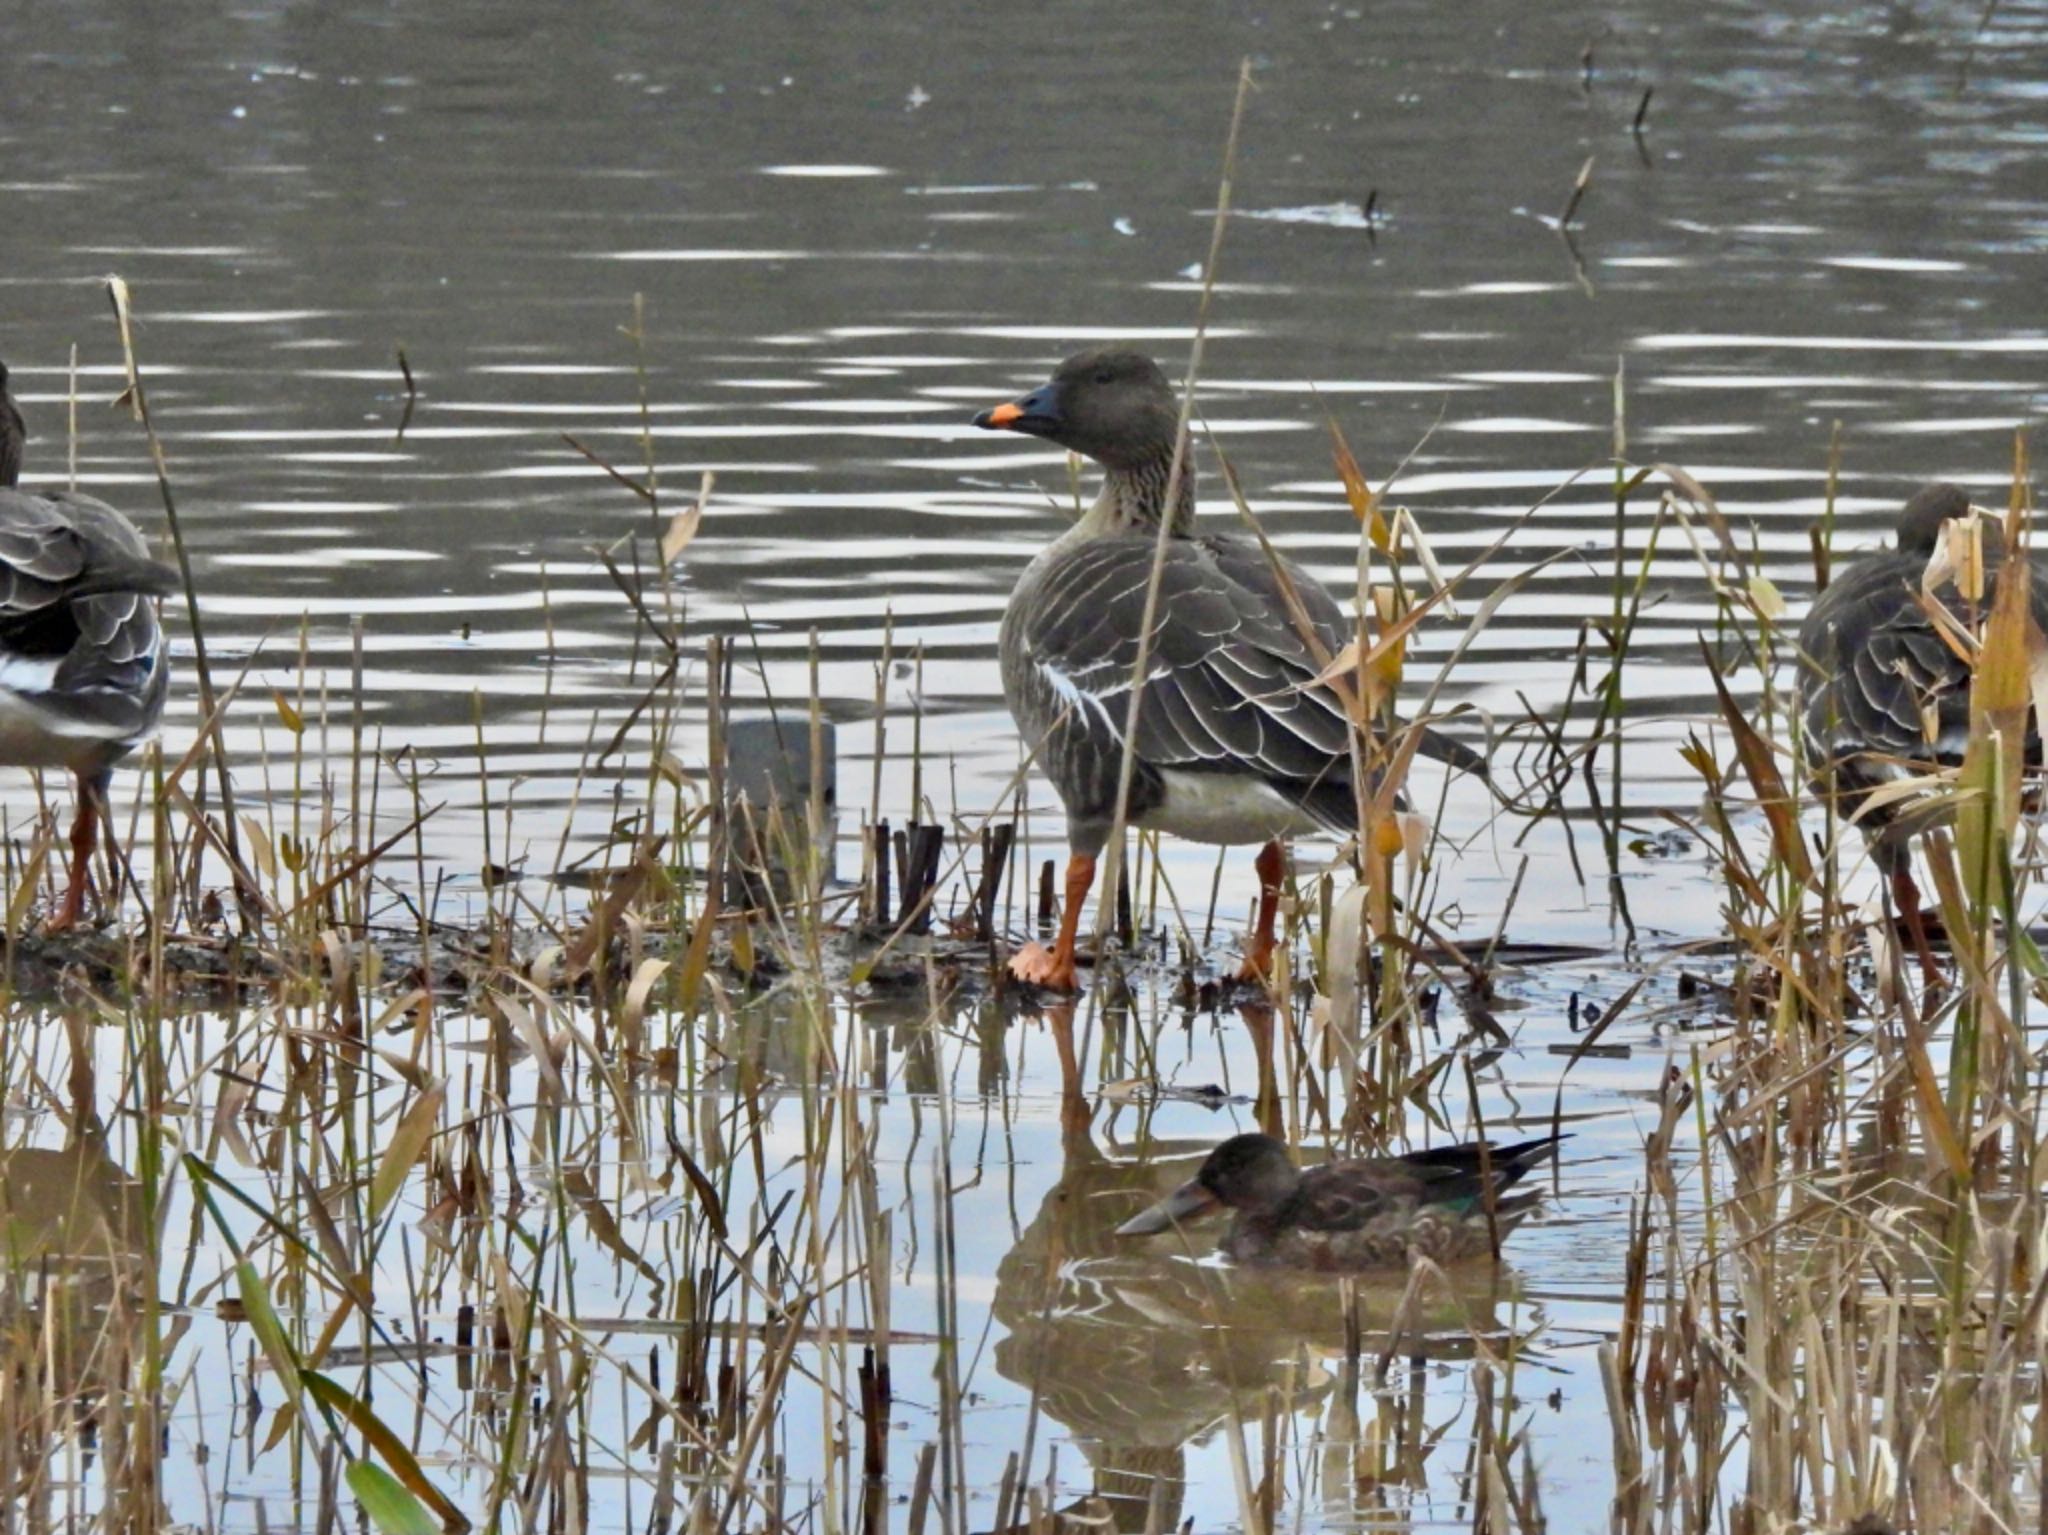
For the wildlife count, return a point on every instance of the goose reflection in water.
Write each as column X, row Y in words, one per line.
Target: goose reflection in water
column 1141, row 1353
column 73, row 1245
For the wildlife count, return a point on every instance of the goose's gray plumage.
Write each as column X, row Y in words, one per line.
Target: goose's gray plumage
column 1236, row 741
column 1227, row 692
column 1884, row 696
column 83, row 675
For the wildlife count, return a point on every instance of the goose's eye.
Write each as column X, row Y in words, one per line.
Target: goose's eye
column 1102, row 375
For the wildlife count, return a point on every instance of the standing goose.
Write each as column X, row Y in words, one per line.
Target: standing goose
column 1884, row 695
column 1237, row 742
column 82, row 668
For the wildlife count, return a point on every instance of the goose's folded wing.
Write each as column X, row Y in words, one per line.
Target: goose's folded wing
column 81, row 647
column 1879, row 678
column 112, row 683
column 62, row 546
column 1230, row 678
column 1228, row 684
column 1907, row 690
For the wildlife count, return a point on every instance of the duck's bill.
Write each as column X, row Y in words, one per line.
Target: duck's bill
column 1188, row 1202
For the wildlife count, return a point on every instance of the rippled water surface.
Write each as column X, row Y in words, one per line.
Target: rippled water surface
column 846, row 232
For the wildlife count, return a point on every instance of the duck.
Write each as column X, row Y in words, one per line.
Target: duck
column 83, row 661
column 1446, row 1204
column 1238, row 742
column 1884, row 697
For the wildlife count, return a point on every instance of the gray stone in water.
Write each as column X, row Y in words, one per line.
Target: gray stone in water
column 768, row 765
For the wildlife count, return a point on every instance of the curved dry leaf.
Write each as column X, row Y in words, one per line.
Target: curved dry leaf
column 1765, row 597
column 1344, row 945
column 408, row 1142
column 683, row 526
column 650, row 971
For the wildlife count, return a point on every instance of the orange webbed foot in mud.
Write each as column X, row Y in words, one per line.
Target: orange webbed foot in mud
column 1257, row 968
column 1045, row 967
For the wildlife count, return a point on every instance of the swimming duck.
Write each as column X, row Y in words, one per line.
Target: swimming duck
column 1884, row 695
column 1370, row 1213
column 1237, row 742
column 82, row 656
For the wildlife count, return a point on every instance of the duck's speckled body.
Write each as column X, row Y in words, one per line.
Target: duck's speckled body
column 1446, row 1204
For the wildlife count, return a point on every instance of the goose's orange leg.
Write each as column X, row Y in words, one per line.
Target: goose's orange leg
column 1054, row 968
column 1258, row 1022
column 84, row 830
column 1906, row 897
column 1258, row 951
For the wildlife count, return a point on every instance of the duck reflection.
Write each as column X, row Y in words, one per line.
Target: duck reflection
column 1140, row 1353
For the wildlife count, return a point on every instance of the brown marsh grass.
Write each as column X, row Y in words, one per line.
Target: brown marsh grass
column 590, row 1210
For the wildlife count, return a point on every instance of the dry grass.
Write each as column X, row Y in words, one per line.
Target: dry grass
column 627, row 1129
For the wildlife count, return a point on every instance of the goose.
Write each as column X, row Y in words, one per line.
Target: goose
column 83, row 670
column 1883, row 695
column 1447, row 1203
column 1237, row 743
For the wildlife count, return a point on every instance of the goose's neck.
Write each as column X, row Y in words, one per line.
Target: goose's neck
column 13, row 436
column 1134, row 496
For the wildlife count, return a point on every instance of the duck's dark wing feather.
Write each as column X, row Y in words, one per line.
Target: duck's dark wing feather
column 1231, row 680
column 1345, row 1196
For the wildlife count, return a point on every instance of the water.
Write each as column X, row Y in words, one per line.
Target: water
column 849, row 232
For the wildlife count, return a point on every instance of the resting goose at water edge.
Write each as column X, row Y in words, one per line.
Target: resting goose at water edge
column 1886, row 697
column 82, row 660
column 1236, row 741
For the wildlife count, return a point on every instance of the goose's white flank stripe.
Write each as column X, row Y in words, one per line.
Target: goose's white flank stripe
column 28, row 674
column 1081, row 699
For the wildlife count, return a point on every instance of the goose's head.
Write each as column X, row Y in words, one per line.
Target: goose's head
column 1109, row 403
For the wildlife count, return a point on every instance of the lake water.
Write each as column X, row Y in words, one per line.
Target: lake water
column 849, row 231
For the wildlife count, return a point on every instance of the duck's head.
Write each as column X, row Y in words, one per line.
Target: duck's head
column 1920, row 519
column 1110, row 404
column 1247, row 1172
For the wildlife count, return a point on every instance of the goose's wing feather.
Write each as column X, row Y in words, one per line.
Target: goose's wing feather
column 1876, row 675
column 112, row 684
column 81, row 648
column 1229, row 680
column 1877, row 678
column 63, row 545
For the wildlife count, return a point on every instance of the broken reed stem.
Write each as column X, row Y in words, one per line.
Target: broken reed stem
column 138, row 396
column 1579, row 185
